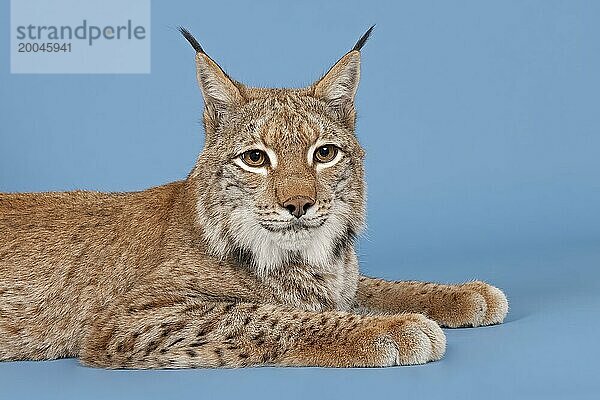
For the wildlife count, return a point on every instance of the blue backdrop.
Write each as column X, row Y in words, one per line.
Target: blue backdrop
column 481, row 125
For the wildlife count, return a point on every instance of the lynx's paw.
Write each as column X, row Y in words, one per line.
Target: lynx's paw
column 470, row 304
column 409, row 339
column 495, row 300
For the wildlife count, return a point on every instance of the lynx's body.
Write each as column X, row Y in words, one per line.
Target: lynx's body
column 249, row 261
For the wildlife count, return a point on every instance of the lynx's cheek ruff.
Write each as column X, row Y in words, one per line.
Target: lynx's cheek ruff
column 274, row 243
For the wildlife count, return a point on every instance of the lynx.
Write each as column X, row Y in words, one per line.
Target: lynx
column 249, row 261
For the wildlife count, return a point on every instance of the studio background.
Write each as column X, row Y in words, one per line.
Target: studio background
column 481, row 126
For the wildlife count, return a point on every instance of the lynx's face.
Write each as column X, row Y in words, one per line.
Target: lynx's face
column 280, row 180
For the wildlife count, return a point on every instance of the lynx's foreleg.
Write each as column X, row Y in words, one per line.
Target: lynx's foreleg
column 197, row 334
column 468, row 304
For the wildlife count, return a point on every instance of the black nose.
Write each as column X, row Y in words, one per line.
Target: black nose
column 297, row 206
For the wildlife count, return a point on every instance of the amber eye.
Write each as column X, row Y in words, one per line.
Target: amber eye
column 325, row 154
column 255, row 158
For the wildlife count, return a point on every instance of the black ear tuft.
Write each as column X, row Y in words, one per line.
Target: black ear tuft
column 186, row 34
column 361, row 42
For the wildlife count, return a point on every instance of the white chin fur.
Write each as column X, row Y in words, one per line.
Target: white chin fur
column 292, row 241
column 272, row 250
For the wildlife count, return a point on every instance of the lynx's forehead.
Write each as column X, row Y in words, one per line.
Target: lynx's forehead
column 288, row 128
column 287, row 125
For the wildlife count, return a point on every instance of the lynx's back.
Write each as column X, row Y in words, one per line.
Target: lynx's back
column 66, row 256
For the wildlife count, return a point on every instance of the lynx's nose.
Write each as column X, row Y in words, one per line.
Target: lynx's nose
column 297, row 206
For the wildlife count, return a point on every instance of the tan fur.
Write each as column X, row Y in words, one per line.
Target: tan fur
column 213, row 271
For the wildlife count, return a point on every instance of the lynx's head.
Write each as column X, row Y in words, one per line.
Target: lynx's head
column 280, row 178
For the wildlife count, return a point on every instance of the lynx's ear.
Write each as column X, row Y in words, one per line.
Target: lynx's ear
column 338, row 86
column 220, row 92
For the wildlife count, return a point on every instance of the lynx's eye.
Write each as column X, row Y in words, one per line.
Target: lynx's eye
column 325, row 154
column 255, row 158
